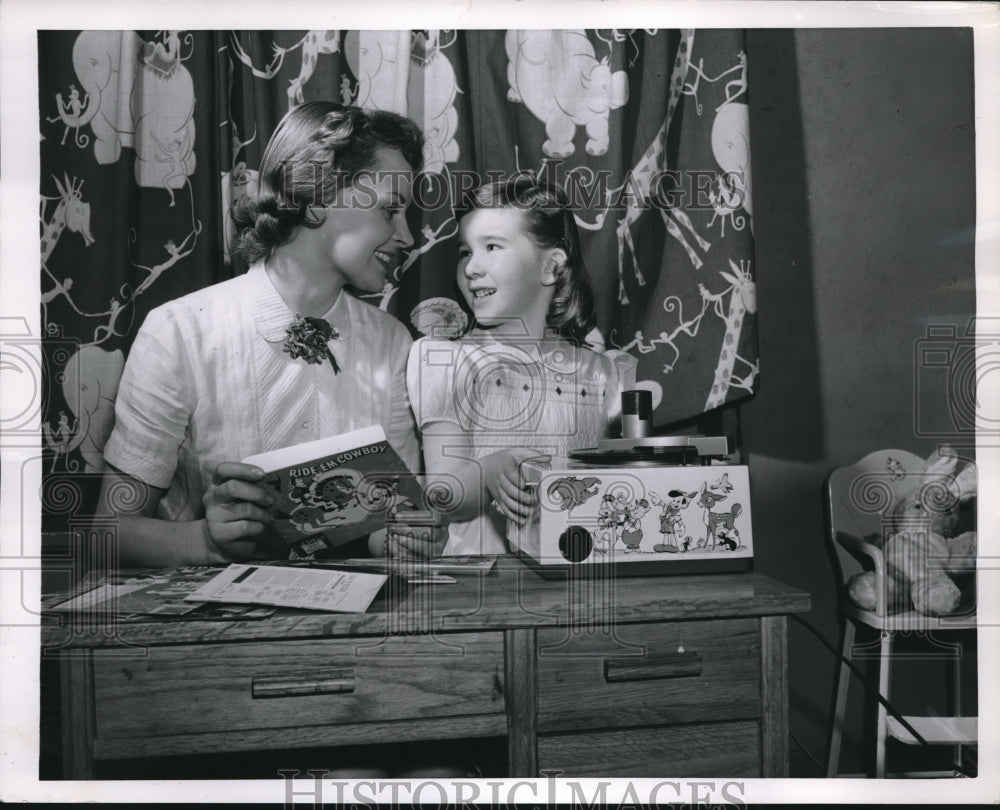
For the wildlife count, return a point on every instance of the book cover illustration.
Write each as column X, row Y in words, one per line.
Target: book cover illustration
column 334, row 490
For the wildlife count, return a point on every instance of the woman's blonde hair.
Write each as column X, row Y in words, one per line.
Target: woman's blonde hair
column 317, row 149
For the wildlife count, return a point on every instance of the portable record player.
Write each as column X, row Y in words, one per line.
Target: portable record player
column 665, row 504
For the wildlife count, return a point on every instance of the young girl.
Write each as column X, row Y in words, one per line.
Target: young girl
column 217, row 375
column 520, row 384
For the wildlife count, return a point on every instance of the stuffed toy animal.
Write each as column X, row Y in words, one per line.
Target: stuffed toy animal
column 924, row 547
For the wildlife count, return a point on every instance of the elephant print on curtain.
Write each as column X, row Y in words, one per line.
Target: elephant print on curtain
column 557, row 76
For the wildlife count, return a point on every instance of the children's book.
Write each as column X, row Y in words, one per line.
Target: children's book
column 334, row 490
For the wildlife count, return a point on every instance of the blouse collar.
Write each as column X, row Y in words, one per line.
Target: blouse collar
column 271, row 315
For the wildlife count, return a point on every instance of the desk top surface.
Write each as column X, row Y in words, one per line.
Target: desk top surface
column 511, row 595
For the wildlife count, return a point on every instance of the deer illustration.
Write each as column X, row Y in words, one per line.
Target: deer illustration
column 717, row 524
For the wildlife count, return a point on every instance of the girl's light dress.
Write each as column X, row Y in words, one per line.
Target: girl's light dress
column 546, row 395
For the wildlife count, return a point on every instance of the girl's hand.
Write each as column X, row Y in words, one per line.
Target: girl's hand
column 504, row 484
column 412, row 538
column 236, row 507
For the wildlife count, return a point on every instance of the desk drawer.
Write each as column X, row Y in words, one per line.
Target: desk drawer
column 271, row 685
column 649, row 674
column 702, row 749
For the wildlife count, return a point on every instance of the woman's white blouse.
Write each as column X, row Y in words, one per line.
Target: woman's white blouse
column 208, row 380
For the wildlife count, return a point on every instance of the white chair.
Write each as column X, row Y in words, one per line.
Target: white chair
column 859, row 499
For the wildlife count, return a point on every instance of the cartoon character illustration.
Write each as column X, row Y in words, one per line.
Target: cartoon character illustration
column 340, row 497
column 106, row 63
column 641, row 188
column 612, row 517
column 172, row 153
column 557, row 76
column 174, row 252
column 71, row 212
column 299, row 490
column 59, row 438
column 717, row 521
column 572, row 491
column 162, row 107
column 605, row 534
column 346, row 91
column 742, row 300
column 380, row 60
column 439, row 317
column 729, row 537
column 725, row 200
column 631, row 534
column 410, row 75
column 722, row 486
column 895, row 469
column 163, row 57
column 730, row 134
column 731, row 149
column 671, row 524
column 136, row 94
column 430, row 97
column 378, row 494
column 70, row 113
column 313, row 44
column 106, row 330
column 90, row 384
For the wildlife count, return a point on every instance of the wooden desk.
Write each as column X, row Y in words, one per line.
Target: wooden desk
column 678, row 676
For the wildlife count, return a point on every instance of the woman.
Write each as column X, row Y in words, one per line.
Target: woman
column 218, row 375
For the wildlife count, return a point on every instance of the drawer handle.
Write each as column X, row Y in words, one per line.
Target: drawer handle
column 666, row 665
column 324, row 682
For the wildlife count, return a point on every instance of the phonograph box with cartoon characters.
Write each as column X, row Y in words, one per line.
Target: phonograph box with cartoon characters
column 638, row 513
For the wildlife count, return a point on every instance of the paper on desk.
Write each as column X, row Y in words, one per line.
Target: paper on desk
column 99, row 596
column 285, row 586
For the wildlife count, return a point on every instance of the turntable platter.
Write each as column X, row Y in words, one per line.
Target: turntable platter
column 637, row 456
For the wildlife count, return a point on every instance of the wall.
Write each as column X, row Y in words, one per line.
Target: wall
column 864, row 195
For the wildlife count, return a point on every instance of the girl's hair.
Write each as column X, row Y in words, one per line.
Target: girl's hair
column 548, row 218
column 317, row 149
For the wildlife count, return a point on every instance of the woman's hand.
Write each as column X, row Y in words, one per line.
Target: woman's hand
column 504, row 483
column 236, row 507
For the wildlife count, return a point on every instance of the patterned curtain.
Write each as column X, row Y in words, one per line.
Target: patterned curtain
column 148, row 136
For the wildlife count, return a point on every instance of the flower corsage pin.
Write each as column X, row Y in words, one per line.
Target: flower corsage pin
column 308, row 338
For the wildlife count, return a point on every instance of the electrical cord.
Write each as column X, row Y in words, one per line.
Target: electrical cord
column 864, row 682
column 804, row 750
